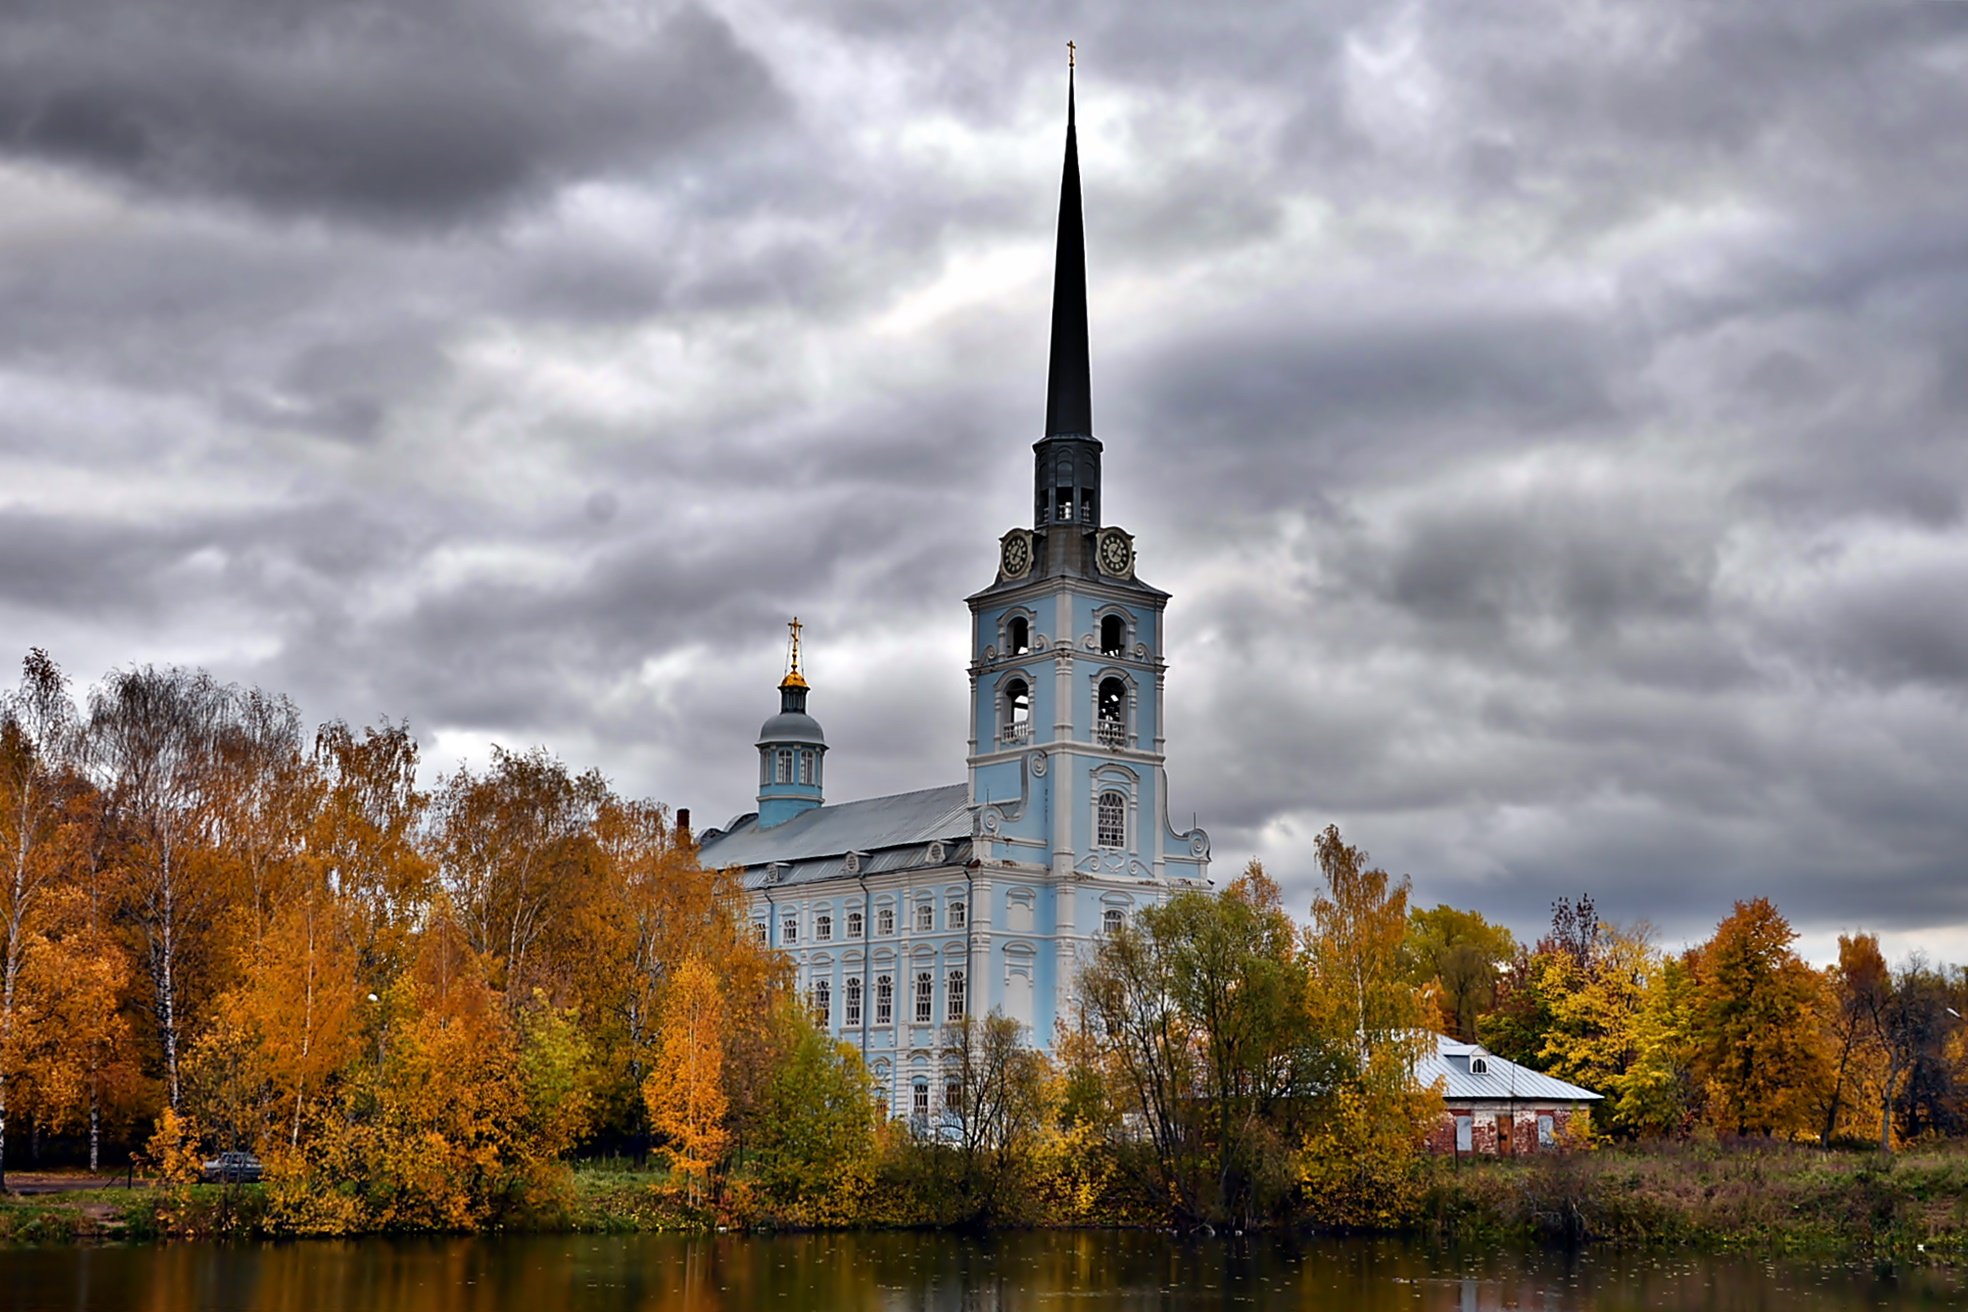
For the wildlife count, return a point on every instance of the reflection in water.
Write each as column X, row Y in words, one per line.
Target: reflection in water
column 1086, row 1272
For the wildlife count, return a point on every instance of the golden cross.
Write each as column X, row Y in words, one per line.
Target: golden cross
column 1071, row 50
column 794, row 626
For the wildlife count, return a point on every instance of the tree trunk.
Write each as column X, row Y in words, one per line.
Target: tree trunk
column 95, row 1131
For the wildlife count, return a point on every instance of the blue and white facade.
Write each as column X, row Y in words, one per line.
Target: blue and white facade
column 907, row 912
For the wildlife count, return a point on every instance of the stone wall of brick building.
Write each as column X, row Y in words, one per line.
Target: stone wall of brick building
column 1498, row 1128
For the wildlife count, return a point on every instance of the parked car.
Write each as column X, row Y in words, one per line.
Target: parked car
column 234, row 1167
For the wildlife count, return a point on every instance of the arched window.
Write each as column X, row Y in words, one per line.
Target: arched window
column 1113, row 636
column 1018, row 636
column 823, row 1001
column 885, row 920
column 955, row 995
column 823, row 927
column 806, row 767
column 1110, row 821
column 925, row 917
column 1110, row 714
column 1111, row 920
column 854, row 924
column 919, row 1099
column 925, row 997
column 884, row 1000
column 959, row 915
column 783, row 766
column 1017, row 713
column 851, row 1001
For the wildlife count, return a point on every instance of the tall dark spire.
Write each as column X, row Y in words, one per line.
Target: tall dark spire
column 1069, row 387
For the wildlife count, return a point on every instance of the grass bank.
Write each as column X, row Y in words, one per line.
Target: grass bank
column 1763, row 1198
column 1774, row 1199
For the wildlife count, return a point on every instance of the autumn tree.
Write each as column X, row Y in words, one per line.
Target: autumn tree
column 37, row 745
column 364, row 840
column 1197, row 1017
column 685, row 1088
column 815, row 1148
column 1360, row 1161
column 1756, row 1049
column 515, row 849
column 154, row 741
column 1454, row 956
column 998, row 1115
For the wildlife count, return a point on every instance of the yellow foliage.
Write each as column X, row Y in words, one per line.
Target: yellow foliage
column 685, row 1089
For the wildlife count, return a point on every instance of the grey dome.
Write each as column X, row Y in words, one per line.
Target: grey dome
column 791, row 727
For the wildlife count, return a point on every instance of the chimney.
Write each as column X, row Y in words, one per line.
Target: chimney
column 683, row 826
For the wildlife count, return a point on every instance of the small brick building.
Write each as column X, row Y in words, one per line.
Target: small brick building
column 1496, row 1107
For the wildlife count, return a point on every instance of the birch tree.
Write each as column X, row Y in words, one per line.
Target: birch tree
column 153, row 742
column 37, row 739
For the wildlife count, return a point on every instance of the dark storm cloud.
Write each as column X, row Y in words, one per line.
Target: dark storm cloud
column 1550, row 420
column 421, row 112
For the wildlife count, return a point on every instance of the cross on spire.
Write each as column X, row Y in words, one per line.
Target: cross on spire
column 793, row 679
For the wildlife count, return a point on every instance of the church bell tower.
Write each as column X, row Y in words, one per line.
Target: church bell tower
column 1067, row 747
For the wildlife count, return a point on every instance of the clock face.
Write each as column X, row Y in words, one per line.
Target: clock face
column 1016, row 555
column 1116, row 553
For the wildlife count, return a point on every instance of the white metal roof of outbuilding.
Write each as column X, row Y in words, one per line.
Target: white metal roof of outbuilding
column 1503, row 1080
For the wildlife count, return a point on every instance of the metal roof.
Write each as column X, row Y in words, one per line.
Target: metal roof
column 1504, row 1080
column 818, row 839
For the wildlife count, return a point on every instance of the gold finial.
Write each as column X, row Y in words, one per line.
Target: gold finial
column 1071, row 51
column 794, row 679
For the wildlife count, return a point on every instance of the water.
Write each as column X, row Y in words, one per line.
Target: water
column 1084, row 1272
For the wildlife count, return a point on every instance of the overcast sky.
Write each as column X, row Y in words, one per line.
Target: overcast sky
column 1551, row 417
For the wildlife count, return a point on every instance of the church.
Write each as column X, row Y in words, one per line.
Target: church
column 905, row 913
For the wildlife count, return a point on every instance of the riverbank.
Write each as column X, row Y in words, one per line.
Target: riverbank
column 1778, row 1198
column 1762, row 1199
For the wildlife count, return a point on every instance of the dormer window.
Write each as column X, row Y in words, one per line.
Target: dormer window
column 1018, row 636
column 1479, row 1065
column 1113, row 636
column 852, row 862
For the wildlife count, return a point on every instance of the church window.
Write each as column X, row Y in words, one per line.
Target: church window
column 925, row 916
column 919, row 1098
column 884, row 1000
column 1065, row 505
column 854, row 924
column 1113, row 636
column 792, row 933
column 925, row 997
column 851, row 1001
column 758, row 930
column 1018, row 635
column 1111, row 920
column 823, row 927
column 1086, row 504
column 1110, row 718
column 783, row 766
column 1017, row 713
column 885, row 921
column 959, row 915
column 1110, row 821
column 823, row 1001
column 806, row 767
column 953, row 1094
column 956, row 995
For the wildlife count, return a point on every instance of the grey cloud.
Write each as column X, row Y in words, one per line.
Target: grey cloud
column 421, row 113
column 1553, row 434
